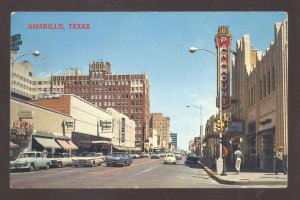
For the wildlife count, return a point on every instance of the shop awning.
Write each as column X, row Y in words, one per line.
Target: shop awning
column 135, row 148
column 47, row 143
column 72, row 145
column 120, row 148
column 13, row 145
column 65, row 145
column 101, row 142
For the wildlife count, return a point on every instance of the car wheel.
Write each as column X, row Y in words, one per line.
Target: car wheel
column 31, row 168
column 124, row 164
column 46, row 167
column 108, row 165
column 59, row 165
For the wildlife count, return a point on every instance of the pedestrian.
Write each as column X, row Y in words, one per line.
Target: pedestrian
column 238, row 159
column 279, row 160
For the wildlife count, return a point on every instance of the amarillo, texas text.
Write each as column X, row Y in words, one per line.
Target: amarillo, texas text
column 59, row 26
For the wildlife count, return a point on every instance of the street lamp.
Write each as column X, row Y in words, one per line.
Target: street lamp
column 194, row 49
column 200, row 108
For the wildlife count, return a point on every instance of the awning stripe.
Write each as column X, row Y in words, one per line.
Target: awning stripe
column 120, row 148
column 72, row 145
column 47, row 143
column 65, row 145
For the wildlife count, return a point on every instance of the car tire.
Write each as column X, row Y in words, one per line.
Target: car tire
column 124, row 164
column 31, row 168
column 59, row 165
column 108, row 165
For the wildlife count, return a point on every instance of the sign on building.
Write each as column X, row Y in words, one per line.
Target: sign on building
column 26, row 114
column 223, row 41
column 122, row 127
column 105, row 126
column 235, row 127
column 69, row 125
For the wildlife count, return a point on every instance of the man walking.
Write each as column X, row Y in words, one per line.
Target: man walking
column 238, row 159
column 279, row 160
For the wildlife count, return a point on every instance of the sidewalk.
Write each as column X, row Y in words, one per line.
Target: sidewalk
column 248, row 178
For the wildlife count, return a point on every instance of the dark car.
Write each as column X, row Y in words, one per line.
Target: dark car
column 191, row 159
column 119, row 158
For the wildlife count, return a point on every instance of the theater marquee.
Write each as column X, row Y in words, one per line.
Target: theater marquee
column 223, row 41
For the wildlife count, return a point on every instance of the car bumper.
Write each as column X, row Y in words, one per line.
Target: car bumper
column 115, row 162
column 19, row 167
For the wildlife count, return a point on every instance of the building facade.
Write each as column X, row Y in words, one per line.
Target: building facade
column 125, row 138
column 162, row 125
column 34, row 127
column 173, row 137
column 260, row 87
column 127, row 93
column 87, row 120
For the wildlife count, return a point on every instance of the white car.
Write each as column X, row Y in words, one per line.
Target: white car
column 30, row 161
column 60, row 160
column 170, row 158
column 88, row 159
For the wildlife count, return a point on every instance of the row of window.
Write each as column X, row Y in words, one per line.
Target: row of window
column 87, row 82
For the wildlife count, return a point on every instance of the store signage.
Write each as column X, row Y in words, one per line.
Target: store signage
column 123, row 129
column 105, row 126
column 69, row 125
column 266, row 121
column 22, row 128
column 223, row 41
column 26, row 114
column 235, row 127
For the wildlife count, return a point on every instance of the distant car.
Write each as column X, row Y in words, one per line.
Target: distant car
column 191, row 159
column 178, row 156
column 33, row 160
column 155, row 155
column 162, row 154
column 60, row 160
column 170, row 158
column 119, row 158
column 88, row 159
column 146, row 155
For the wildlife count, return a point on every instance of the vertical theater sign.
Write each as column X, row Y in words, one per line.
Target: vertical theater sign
column 223, row 41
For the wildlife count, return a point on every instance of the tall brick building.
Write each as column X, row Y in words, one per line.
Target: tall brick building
column 161, row 124
column 127, row 93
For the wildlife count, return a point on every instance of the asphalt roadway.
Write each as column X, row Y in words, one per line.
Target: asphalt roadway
column 142, row 173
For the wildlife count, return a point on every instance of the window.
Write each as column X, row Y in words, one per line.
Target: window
column 273, row 78
column 269, row 82
column 265, row 86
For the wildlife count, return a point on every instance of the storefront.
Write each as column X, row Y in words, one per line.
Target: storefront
column 266, row 140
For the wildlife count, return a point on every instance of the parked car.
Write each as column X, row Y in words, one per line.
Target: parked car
column 146, row 155
column 178, row 156
column 88, row 159
column 191, row 159
column 170, row 158
column 119, row 158
column 32, row 160
column 60, row 160
column 155, row 155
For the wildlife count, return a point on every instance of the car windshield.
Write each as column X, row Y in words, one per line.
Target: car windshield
column 56, row 156
column 170, row 155
column 27, row 155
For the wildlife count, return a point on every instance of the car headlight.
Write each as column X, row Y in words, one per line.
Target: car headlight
column 26, row 162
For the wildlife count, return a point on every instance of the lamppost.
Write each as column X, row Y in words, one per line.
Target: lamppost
column 219, row 162
column 201, row 143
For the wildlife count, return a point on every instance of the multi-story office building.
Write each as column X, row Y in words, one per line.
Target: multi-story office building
column 127, row 93
column 162, row 125
column 173, row 140
column 26, row 86
column 260, row 87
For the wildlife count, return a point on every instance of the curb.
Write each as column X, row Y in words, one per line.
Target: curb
column 217, row 178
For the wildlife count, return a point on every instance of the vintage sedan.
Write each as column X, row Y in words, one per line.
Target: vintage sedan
column 191, row 159
column 170, row 158
column 60, row 160
column 155, row 155
column 178, row 156
column 119, row 158
column 88, row 159
column 33, row 160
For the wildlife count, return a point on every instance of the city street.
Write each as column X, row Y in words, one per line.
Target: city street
column 142, row 173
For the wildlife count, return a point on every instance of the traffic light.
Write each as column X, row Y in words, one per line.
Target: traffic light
column 219, row 125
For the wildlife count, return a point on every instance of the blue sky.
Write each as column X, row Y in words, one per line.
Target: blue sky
column 155, row 43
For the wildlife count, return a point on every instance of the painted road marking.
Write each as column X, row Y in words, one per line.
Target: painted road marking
column 151, row 168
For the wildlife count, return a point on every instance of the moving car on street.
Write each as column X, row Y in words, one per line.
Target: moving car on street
column 178, row 156
column 60, row 160
column 155, row 155
column 170, row 158
column 191, row 159
column 88, row 159
column 32, row 160
column 119, row 158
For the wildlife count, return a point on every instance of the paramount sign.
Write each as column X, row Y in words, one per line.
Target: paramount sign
column 223, row 41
